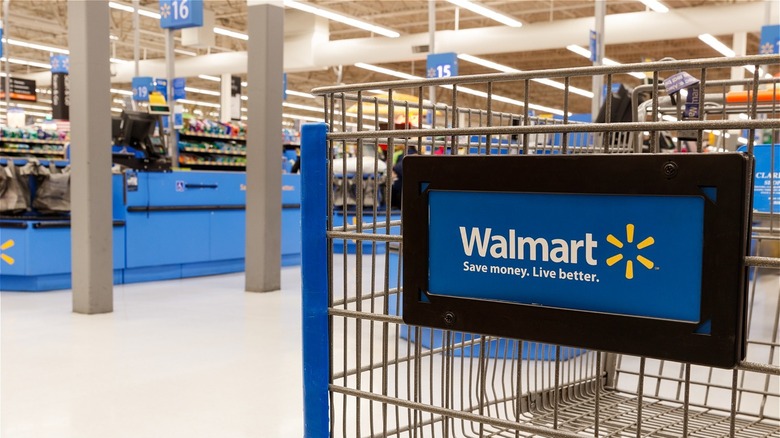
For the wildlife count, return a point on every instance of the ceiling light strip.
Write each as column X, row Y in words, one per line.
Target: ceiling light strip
column 345, row 19
column 507, row 69
column 487, row 12
column 585, row 53
column 655, row 5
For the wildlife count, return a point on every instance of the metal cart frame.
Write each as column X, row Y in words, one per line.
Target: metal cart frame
column 366, row 374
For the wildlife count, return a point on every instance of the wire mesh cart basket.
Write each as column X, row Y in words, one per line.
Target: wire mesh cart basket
column 368, row 374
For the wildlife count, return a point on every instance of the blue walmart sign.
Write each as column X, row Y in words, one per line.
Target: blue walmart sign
column 601, row 253
column 441, row 65
column 766, row 179
column 770, row 40
column 178, row 14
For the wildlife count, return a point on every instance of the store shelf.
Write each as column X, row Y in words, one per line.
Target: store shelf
column 212, row 151
column 211, row 136
column 212, row 164
column 32, row 141
column 31, row 152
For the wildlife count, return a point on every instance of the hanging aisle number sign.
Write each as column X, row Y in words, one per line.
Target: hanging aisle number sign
column 178, row 14
column 441, row 65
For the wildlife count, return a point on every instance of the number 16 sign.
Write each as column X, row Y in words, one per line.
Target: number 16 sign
column 178, row 14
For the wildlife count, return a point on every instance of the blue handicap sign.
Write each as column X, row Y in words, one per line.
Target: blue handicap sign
column 531, row 250
column 179, row 14
column 441, row 65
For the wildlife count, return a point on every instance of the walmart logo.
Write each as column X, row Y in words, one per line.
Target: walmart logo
column 165, row 10
column 630, row 263
column 5, row 257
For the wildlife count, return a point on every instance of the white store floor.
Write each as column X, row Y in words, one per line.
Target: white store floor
column 186, row 358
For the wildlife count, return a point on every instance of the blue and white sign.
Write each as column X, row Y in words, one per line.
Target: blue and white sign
column 600, row 253
column 1, row 45
column 60, row 63
column 679, row 81
column 593, row 43
column 178, row 88
column 441, row 65
column 770, row 40
column 142, row 87
column 161, row 86
column 766, row 179
column 178, row 14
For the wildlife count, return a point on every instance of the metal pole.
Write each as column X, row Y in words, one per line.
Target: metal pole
column 598, row 80
column 6, row 7
column 431, row 44
column 136, row 38
column 170, row 60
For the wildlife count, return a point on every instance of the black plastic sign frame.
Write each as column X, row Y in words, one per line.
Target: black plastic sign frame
column 726, row 231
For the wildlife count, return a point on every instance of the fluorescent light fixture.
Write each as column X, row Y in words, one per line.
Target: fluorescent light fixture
column 26, row 62
column 307, row 118
column 487, row 12
column 717, row 45
column 316, row 109
column 116, row 110
column 128, row 8
column 199, row 103
column 586, row 54
column 202, row 91
column 118, row 61
column 231, row 33
column 334, row 16
column 122, row 92
column 244, row 97
column 386, row 71
column 507, row 69
column 30, row 45
column 113, row 38
column 301, row 94
column 462, row 89
column 27, row 106
column 210, row 78
column 742, row 140
column 244, row 84
column 185, row 52
column 119, row 101
column 656, row 6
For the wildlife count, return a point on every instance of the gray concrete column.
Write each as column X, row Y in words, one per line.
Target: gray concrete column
column 90, row 100
column 264, row 146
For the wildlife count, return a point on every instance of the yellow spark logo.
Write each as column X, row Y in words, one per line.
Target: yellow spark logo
column 5, row 257
column 630, row 263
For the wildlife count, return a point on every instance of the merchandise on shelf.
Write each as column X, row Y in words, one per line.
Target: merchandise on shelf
column 34, row 134
column 205, row 127
column 33, row 142
column 291, row 137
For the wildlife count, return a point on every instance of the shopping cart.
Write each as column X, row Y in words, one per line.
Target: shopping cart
column 367, row 374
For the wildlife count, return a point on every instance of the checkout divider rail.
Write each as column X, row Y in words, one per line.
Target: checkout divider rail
column 366, row 374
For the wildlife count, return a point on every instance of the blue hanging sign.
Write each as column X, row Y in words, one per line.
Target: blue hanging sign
column 594, row 45
column 179, row 14
column 770, row 40
column 142, row 87
column 766, row 179
column 60, row 63
column 1, row 45
column 442, row 65
column 161, row 86
column 178, row 89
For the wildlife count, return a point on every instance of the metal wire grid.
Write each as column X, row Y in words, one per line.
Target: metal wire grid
column 388, row 379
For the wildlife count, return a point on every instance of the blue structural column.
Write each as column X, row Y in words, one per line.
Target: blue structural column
column 314, row 272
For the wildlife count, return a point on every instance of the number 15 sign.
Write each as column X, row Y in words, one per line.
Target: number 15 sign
column 441, row 65
column 178, row 14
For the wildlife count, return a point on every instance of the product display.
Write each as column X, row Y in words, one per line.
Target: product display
column 33, row 142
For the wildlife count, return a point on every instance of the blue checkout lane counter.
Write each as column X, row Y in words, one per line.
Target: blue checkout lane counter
column 166, row 226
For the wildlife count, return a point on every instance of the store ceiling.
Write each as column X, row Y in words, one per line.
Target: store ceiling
column 45, row 22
